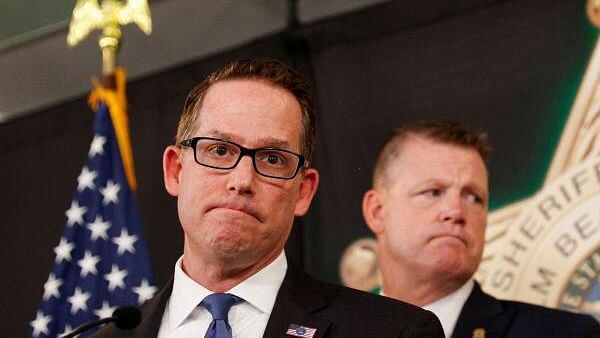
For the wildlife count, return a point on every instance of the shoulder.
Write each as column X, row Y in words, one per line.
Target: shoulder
column 345, row 312
column 542, row 317
column 337, row 294
column 379, row 311
column 505, row 318
column 540, row 320
column 341, row 297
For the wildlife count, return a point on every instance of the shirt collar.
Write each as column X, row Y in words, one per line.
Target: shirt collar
column 448, row 308
column 259, row 290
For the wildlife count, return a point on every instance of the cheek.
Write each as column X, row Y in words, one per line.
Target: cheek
column 192, row 197
column 409, row 222
column 282, row 207
column 187, row 199
column 188, row 213
column 280, row 199
column 477, row 232
column 478, row 220
column 402, row 235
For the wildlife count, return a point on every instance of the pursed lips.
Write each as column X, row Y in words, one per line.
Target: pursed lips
column 448, row 235
column 241, row 207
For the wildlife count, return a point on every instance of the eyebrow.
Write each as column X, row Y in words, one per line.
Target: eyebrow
column 469, row 185
column 269, row 142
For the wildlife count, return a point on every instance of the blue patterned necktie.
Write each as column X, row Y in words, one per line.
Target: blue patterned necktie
column 218, row 304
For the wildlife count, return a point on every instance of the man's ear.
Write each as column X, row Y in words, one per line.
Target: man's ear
column 172, row 169
column 372, row 208
column 308, row 188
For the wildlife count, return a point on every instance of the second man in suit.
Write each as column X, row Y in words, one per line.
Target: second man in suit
column 428, row 209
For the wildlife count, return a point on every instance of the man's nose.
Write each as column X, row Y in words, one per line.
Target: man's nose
column 241, row 178
column 452, row 209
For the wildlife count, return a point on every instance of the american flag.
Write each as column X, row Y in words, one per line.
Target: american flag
column 101, row 260
column 301, row 331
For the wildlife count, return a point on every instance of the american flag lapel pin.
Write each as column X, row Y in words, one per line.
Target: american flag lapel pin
column 301, row 331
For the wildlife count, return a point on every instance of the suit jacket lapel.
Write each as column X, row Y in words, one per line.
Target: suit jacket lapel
column 484, row 313
column 299, row 297
column 152, row 313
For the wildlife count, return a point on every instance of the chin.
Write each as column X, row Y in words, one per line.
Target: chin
column 228, row 240
column 231, row 253
column 454, row 266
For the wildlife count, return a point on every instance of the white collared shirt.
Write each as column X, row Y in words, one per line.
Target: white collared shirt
column 184, row 317
column 448, row 309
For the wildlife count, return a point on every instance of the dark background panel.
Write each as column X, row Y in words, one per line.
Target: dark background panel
column 512, row 67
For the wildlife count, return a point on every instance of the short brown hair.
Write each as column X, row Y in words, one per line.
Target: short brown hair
column 446, row 132
column 272, row 71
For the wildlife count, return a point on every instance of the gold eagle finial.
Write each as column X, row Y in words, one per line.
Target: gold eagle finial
column 89, row 15
column 109, row 16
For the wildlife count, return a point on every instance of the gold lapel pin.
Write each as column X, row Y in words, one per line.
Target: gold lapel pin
column 479, row 333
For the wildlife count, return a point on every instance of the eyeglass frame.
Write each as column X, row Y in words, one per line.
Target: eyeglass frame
column 192, row 143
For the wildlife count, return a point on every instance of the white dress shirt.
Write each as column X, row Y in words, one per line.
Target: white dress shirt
column 448, row 309
column 185, row 317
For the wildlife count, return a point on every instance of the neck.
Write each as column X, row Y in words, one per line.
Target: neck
column 408, row 285
column 221, row 275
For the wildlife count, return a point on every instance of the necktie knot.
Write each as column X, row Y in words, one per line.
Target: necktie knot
column 218, row 304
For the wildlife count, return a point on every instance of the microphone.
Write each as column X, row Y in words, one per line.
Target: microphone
column 125, row 318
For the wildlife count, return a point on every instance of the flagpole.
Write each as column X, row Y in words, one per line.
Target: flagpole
column 108, row 17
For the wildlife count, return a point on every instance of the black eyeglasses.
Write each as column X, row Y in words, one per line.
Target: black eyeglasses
column 222, row 154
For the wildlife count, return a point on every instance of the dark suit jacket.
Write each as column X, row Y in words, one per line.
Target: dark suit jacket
column 501, row 318
column 333, row 310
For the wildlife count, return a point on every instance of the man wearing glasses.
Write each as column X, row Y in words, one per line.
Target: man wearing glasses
column 240, row 169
